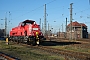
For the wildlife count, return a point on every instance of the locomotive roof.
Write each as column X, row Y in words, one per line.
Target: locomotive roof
column 28, row 21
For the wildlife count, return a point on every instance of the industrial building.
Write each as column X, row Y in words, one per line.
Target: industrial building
column 79, row 30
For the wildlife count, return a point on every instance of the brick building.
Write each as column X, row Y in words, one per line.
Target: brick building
column 79, row 30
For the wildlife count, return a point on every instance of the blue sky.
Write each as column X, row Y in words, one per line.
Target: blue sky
column 57, row 10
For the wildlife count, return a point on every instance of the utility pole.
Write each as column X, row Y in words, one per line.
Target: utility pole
column 66, row 27
column 81, row 31
column 59, row 32
column 40, row 23
column 42, row 27
column 48, row 30
column 48, row 26
column 62, row 27
column 45, row 24
column 71, row 21
column 5, row 27
column 66, row 24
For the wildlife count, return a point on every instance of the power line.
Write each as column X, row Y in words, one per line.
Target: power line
column 36, row 8
column 82, row 11
column 50, row 1
column 30, row 11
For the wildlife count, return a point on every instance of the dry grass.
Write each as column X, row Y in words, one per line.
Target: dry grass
column 25, row 53
column 73, row 48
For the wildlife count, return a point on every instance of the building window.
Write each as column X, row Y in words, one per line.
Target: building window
column 84, row 29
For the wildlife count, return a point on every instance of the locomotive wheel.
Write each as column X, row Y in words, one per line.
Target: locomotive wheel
column 28, row 41
column 33, row 42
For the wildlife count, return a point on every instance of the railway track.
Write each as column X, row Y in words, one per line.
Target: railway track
column 64, row 39
column 83, row 43
column 67, row 54
column 4, row 56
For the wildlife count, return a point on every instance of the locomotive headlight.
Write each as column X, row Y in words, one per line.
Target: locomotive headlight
column 36, row 33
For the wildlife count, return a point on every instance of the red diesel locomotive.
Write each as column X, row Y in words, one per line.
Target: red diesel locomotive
column 27, row 31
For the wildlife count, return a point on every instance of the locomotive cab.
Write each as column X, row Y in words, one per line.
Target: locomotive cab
column 34, row 33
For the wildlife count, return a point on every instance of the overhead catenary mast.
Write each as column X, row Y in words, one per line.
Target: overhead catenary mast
column 5, row 26
column 62, row 27
column 71, row 21
column 42, row 27
column 40, row 23
column 45, row 24
column 66, row 28
column 5, row 29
